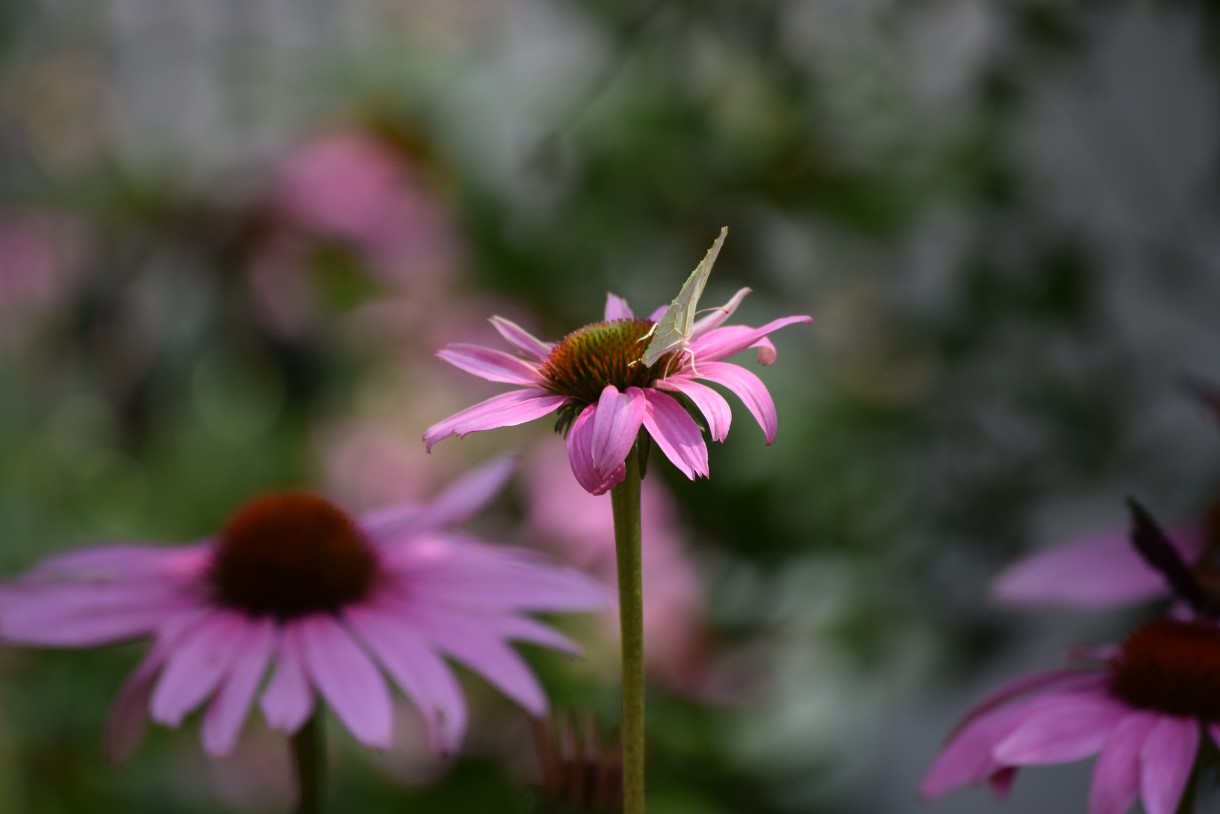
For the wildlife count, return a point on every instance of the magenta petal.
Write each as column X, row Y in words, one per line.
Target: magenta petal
column 195, row 666
column 967, row 757
column 721, row 343
column 507, row 580
column 525, row 629
column 749, row 388
column 593, row 479
column 766, row 351
column 1060, row 729
column 122, row 562
column 676, row 433
column 521, row 339
column 505, row 410
column 1167, row 759
column 656, row 315
column 1057, row 680
column 421, row 674
column 288, row 700
column 223, row 721
column 458, row 502
column 617, row 308
column 719, row 314
column 616, row 422
column 1094, row 572
column 492, row 365
column 130, row 711
column 1116, row 777
column 470, row 642
column 713, row 405
column 78, row 614
column 347, row 678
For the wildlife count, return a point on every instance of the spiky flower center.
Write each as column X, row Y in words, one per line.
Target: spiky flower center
column 287, row 554
column 1171, row 667
column 585, row 361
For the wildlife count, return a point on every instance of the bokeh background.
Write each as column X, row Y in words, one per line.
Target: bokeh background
column 233, row 233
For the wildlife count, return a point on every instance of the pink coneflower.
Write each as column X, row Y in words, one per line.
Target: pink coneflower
column 1141, row 706
column 594, row 378
column 328, row 603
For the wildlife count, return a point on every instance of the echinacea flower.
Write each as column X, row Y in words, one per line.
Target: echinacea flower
column 1140, row 706
column 595, row 379
column 329, row 604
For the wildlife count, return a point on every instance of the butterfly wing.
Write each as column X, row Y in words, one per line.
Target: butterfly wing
column 674, row 329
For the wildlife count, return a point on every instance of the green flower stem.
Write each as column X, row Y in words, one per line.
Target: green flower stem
column 307, row 756
column 625, row 499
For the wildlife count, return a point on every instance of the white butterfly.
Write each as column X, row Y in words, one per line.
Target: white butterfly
column 673, row 330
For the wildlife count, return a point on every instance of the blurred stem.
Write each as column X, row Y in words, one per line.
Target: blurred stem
column 307, row 755
column 625, row 499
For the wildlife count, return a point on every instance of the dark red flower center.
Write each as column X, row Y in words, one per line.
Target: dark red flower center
column 1171, row 667
column 290, row 553
column 585, row 361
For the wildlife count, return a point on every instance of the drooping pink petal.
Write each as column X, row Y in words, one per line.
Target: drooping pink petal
column 422, row 675
column 616, row 422
column 967, row 757
column 129, row 714
column 130, row 711
column 1166, row 761
column 458, row 502
column 766, row 351
column 526, row 629
column 1061, row 728
column 747, row 387
column 505, row 410
column 719, row 314
column 469, row 641
column 225, row 715
column 1094, row 572
column 122, row 561
column 492, row 365
column 656, row 315
column 676, row 433
column 84, row 614
column 505, row 579
column 347, row 678
column 522, row 339
column 1213, row 729
column 1116, row 777
column 721, row 343
column 1058, row 680
column 195, row 666
column 617, row 308
column 713, row 405
column 594, row 480
column 288, row 700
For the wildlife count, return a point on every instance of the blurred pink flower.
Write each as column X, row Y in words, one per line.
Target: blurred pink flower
column 604, row 394
column 1140, row 706
column 41, row 256
column 353, row 188
column 293, row 582
column 579, row 528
